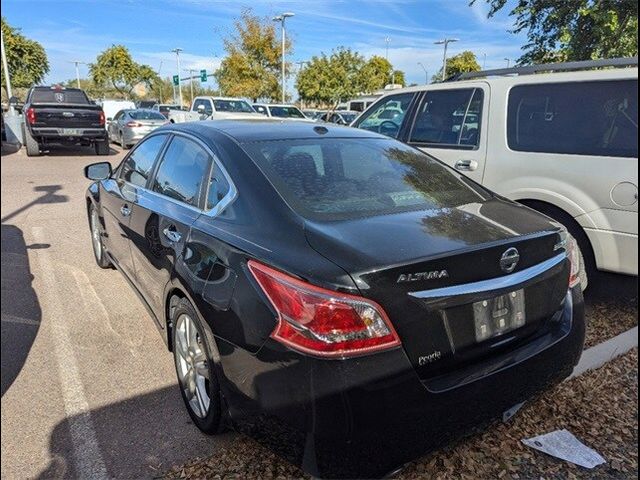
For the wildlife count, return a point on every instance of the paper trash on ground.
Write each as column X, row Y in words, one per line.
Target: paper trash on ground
column 564, row 445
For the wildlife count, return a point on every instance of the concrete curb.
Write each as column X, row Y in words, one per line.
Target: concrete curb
column 606, row 351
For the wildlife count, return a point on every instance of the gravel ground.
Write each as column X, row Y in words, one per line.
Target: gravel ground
column 611, row 307
column 600, row 408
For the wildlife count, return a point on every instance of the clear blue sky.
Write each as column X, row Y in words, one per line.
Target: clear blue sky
column 80, row 29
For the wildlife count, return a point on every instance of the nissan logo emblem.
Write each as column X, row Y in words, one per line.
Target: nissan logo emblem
column 509, row 260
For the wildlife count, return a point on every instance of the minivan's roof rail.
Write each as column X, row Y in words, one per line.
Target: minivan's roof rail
column 549, row 67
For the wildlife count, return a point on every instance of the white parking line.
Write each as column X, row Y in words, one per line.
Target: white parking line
column 606, row 351
column 89, row 463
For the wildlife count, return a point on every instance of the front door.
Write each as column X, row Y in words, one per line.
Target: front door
column 163, row 215
column 451, row 125
column 120, row 195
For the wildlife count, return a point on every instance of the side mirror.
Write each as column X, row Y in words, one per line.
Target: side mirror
column 109, row 119
column 98, row 171
column 200, row 109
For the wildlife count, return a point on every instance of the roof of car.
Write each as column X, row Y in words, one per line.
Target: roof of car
column 260, row 129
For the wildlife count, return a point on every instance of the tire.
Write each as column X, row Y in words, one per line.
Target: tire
column 102, row 147
column 97, row 241
column 122, row 144
column 32, row 146
column 193, row 362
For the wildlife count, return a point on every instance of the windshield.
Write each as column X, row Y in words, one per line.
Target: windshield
column 233, row 106
column 332, row 179
column 146, row 115
column 286, row 112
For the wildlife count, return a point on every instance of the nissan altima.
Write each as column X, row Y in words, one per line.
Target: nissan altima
column 342, row 297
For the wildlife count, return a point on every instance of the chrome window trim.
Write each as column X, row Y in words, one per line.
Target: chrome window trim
column 231, row 195
column 493, row 284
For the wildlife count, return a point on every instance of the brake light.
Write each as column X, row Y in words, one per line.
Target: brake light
column 101, row 118
column 31, row 116
column 133, row 124
column 323, row 322
column 573, row 254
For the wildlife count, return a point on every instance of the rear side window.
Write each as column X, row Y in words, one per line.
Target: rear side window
column 580, row 118
column 137, row 167
column 334, row 179
column 449, row 119
column 386, row 115
column 59, row 96
column 182, row 171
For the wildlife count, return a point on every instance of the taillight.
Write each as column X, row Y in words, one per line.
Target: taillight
column 101, row 118
column 323, row 322
column 133, row 124
column 31, row 116
column 573, row 253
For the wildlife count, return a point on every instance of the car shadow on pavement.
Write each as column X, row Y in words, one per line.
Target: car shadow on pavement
column 139, row 437
column 612, row 288
column 74, row 151
column 21, row 313
column 49, row 195
column 10, row 148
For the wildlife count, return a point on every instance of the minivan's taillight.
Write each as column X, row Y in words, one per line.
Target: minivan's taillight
column 323, row 322
column 31, row 116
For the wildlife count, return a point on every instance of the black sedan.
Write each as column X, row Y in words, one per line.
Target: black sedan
column 346, row 299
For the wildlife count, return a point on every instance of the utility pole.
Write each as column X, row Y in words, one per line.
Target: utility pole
column 484, row 61
column 161, row 99
column 7, row 77
column 190, row 70
column 445, row 42
column 386, row 54
column 281, row 18
column 76, row 63
column 426, row 74
column 508, row 60
column 177, row 52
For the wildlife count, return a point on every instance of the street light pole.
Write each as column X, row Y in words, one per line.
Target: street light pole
column 508, row 60
column 76, row 63
column 177, row 52
column 446, row 43
column 5, row 66
column 190, row 70
column 484, row 61
column 426, row 74
column 386, row 54
column 281, row 18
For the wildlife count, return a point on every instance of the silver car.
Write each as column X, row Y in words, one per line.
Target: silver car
column 129, row 126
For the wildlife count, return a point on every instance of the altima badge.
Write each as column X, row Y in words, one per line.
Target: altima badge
column 414, row 277
column 509, row 260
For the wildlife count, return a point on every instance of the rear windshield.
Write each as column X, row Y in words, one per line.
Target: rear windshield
column 146, row 115
column 233, row 106
column 286, row 112
column 333, row 179
column 59, row 96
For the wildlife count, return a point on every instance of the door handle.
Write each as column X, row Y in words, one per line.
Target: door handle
column 466, row 165
column 172, row 235
column 125, row 210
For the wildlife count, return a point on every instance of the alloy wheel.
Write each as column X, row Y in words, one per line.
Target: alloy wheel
column 192, row 365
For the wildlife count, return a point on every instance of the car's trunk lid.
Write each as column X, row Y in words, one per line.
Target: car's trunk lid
column 67, row 116
column 394, row 259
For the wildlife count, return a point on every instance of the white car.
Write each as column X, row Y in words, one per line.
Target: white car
column 214, row 108
column 563, row 142
column 289, row 112
column 111, row 107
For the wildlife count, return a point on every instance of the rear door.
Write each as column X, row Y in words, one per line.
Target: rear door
column 120, row 195
column 451, row 124
column 164, row 213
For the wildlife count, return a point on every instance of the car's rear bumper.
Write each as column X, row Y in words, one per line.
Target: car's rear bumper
column 368, row 416
column 53, row 133
column 614, row 251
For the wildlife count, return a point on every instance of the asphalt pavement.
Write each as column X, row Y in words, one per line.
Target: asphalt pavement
column 88, row 386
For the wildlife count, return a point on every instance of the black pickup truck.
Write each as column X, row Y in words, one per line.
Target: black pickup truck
column 59, row 115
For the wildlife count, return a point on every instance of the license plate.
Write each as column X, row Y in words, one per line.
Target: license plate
column 499, row 315
column 71, row 131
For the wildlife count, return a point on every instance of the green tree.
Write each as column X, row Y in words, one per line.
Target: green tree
column 254, row 59
column 116, row 68
column 89, row 86
column 569, row 30
column 331, row 79
column 26, row 58
column 461, row 63
column 378, row 72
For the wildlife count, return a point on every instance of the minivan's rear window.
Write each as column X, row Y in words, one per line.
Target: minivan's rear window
column 48, row 95
column 581, row 118
column 333, row 179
